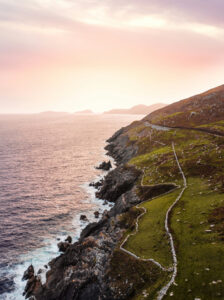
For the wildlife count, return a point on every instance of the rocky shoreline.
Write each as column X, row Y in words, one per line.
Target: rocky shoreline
column 85, row 270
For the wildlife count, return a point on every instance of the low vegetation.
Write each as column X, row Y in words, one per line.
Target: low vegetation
column 152, row 241
column 139, row 277
column 197, row 221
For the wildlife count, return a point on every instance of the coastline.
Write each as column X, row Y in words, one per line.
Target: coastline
column 88, row 268
column 34, row 286
column 40, row 257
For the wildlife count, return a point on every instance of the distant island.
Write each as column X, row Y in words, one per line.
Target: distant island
column 140, row 109
column 85, row 112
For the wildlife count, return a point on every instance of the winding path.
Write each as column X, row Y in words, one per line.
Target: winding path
column 164, row 289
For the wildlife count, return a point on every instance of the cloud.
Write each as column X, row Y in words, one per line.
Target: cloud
column 46, row 46
column 197, row 16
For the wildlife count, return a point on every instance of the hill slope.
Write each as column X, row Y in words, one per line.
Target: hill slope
column 205, row 108
column 164, row 236
column 137, row 110
column 196, row 217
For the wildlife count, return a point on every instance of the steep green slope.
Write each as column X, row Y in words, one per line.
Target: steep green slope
column 195, row 111
column 197, row 220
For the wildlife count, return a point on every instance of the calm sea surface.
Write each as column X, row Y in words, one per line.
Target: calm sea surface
column 45, row 167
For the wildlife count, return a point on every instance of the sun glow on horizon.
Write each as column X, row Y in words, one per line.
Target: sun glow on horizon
column 73, row 55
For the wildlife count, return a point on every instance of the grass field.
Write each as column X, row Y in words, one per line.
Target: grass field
column 152, row 241
column 199, row 243
column 196, row 222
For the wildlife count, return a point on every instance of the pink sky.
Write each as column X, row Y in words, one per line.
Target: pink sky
column 70, row 55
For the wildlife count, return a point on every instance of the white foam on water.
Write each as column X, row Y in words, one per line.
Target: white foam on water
column 41, row 256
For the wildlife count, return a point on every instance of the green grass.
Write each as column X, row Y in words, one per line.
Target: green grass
column 200, row 254
column 216, row 126
column 159, row 166
column 152, row 241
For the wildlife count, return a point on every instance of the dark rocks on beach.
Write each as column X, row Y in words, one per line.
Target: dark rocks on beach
column 33, row 282
column 80, row 273
column 28, row 273
column 32, row 285
column 97, row 184
column 104, row 166
column 120, row 147
column 91, row 228
column 83, row 218
column 96, row 214
column 63, row 246
column 68, row 239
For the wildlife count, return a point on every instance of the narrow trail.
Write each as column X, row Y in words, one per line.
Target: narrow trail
column 165, row 128
column 164, row 289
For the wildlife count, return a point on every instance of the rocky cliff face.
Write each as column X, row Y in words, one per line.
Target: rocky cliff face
column 81, row 272
column 93, row 268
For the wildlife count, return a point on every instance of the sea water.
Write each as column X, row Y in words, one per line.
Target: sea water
column 46, row 164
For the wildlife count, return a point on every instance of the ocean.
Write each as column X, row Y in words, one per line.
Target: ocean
column 46, row 164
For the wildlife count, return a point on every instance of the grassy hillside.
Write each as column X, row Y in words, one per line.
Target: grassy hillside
column 197, row 220
column 203, row 109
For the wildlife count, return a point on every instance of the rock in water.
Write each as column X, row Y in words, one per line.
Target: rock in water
column 63, row 246
column 96, row 213
column 28, row 273
column 96, row 184
column 83, row 218
column 68, row 239
column 104, row 166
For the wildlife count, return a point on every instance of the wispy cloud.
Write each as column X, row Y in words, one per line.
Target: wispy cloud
column 55, row 48
column 54, row 16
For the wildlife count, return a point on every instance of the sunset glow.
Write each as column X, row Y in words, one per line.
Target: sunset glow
column 72, row 55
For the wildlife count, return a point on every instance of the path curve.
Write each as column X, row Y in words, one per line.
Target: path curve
column 164, row 289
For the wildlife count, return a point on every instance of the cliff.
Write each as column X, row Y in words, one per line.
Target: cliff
column 164, row 234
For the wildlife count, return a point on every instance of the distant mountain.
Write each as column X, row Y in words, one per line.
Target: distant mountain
column 137, row 110
column 86, row 111
column 195, row 111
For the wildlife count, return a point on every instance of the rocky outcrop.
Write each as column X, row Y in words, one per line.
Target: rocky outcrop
column 120, row 147
column 68, row 239
column 97, row 184
column 106, row 166
column 28, row 273
column 63, row 246
column 83, row 218
column 84, row 270
column 80, row 272
column 117, row 182
column 96, row 214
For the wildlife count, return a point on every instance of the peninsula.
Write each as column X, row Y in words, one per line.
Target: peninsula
column 163, row 238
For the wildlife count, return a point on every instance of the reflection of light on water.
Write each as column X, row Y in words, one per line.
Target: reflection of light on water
column 43, row 163
column 40, row 257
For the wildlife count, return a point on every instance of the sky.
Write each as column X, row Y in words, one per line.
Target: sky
column 69, row 55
